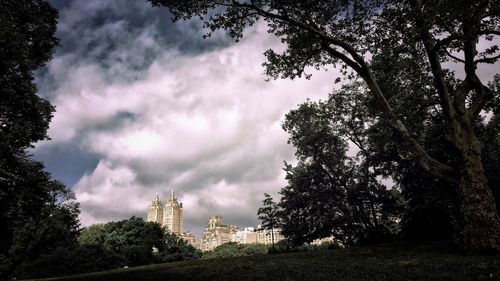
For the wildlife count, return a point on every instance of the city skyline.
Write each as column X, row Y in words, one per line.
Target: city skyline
column 216, row 232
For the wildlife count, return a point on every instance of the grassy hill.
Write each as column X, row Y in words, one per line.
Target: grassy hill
column 384, row 262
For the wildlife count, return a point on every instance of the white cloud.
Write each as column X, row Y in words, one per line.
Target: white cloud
column 208, row 126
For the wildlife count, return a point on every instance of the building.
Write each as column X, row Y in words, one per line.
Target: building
column 169, row 216
column 172, row 215
column 216, row 233
column 189, row 237
column 155, row 212
column 245, row 236
column 265, row 236
column 326, row 240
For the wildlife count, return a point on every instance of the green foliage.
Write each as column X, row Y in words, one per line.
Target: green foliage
column 177, row 249
column 133, row 239
column 111, row 245
column 328, row 192
column 233, row 249
column 27, row 42
column 37, row 213
column 71, row 260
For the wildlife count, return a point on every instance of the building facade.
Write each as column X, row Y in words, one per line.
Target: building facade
column 169, row 216
column 245, row 236
column 189, row 237
column 216, row 233
column 172, row 215
column 155, row 212
column 266, row 236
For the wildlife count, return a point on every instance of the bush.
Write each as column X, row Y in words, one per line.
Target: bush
column 233, row 249
column 66, row 261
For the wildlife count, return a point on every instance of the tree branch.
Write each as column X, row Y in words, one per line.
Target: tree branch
column 437, row 71
column 361, row 67
column 453, row 57
column 487, row 60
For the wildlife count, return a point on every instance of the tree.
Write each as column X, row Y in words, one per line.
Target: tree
column 348, row 33
column 29, row 198
column 42, row 216
column 269, row 215
column 177, row 249
column 329, row 193
column 100, row 247
column 27, row 42
column 134, row 240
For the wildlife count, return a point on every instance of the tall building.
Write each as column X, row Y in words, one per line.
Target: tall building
column 216, row 234
column 155, row 212
column 172, row 215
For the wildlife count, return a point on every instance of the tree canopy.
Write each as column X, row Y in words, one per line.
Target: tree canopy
column 37, row 213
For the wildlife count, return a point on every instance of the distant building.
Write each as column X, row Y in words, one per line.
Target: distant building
column 189, row 237
column 155, row 212
column 245, row 236
column 326, row 240
column 265, row 236
column 216, row 234
column 172, row 215
column 169, row 216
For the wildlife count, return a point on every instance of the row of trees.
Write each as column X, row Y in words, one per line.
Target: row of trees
column 112, row 245
column 364, row 38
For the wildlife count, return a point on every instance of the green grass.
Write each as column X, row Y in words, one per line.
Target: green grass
column 383, row 262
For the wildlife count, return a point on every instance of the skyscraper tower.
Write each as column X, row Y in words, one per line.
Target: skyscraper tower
column 172, row 215
column 155, row 212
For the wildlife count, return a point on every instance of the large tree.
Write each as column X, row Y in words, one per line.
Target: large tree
column 328, row 192
column 37, row 213
column 349, row 32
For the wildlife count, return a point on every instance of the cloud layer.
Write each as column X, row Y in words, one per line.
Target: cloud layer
column 141, row 112
column 145, row 106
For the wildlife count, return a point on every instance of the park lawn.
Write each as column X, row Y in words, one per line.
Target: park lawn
column 382, row 262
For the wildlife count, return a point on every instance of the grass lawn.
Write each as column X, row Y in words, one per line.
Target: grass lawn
column 383, row 262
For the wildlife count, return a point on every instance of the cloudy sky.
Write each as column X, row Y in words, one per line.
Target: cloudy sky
column 145, row 106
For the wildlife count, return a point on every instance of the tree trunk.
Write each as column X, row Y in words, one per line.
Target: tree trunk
column 479, row 216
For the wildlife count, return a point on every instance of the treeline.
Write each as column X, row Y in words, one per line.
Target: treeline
column 112, row 245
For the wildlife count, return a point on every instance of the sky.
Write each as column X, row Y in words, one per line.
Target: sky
column 146, row 106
